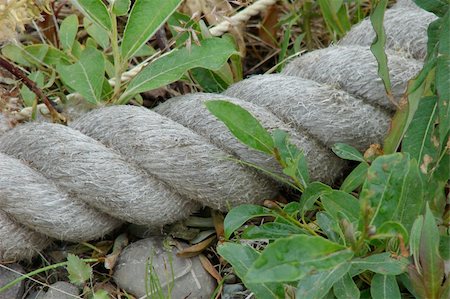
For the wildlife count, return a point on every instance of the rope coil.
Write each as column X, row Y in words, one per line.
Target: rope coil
column 126, row 163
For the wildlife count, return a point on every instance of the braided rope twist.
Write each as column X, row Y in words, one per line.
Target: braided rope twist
column 129, row 164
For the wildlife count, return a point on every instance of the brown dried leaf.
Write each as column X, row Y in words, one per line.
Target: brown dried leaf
column 196, row 249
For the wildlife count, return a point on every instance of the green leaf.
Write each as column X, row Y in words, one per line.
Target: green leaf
column 27, row 95
column 356, row 178
column 330, row 227
column 316, row 286
column 377, row 47
column 272, row 231
column 430, row 260
column 242, row 124
column 241, row 214
column 96, row 11
column 121, row 7
column 345, row 288
column 97, row 32
column 100, row 294
column 443, row 78
column 347, row 152
column 420, row 138
column 292, row 159
column 79, row 271
column 336, row 202
column 212, row 54
column 391, row 229
column 241, row 257
column 86, row 76
column 68, row 32
column 145, row 18
column 393, row 190
column 312, row 193
column 384, row 287
column 381, row 263
column 438, row 7
column 414, row 241
column 290, row 259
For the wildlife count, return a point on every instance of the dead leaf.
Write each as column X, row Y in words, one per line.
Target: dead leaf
column 196, row 249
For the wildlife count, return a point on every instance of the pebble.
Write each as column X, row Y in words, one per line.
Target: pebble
column 190, row 280
column 61, row 290
column 6, row 276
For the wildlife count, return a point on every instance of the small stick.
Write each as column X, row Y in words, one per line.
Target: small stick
column 56, row 117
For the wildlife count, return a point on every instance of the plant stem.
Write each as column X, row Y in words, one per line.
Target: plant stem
column 14, row 70
column 40, row 270
column 117, row 58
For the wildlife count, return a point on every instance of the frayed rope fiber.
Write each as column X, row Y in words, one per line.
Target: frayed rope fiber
column 129, row 164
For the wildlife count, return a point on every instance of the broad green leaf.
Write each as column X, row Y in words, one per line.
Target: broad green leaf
column 381, row 263
column 377, row 47
column 336, row 202
column 242, row 124
column 97, row 32
column 121, row 7
column 384, row 287
column 391, row 229
column 312, row 193
column 330, row 227
column 241, row 214
column 347, row 152
column 345, row 288
column 241, row 257
column 272, row 231
column 96, row 11
column 356, row 178
column 438, row 7
column 68, row 32
column 393, row 190
column 209, row 80
column 292, row 159
column 430, row 260
column 443, row 78
column 420, row 138
column 86, row 76
column 444, row 247
column 35, row 54
column 316, row 286
column 212, row 54
column 145, row 18
column 27, row 95
column 100, row 294
column 15, row 53
column 79, row 271
column 290, row 259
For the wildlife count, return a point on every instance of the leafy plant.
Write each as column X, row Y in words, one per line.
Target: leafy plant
column 384, row 232
column 95, row 69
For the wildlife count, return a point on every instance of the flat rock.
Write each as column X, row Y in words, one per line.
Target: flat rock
column 143, row 263
column 61, row 290
column 6, row 276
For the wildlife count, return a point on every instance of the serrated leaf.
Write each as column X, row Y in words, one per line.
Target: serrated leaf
column 68, row 32
column 244, row 126
column 86, row 76
column 100, row 294
column 241, row 257
column 345, row 288
column 290, row 259
column 212, row 54
column 121, row 7
column 356, row 178
column 382, row 263
column 347, row 152
column 96, row 11
column 316, row 286
column 241, row 214
column 384, row 287
column 145, row 18
column 79, row 271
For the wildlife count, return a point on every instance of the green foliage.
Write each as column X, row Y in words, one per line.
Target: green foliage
column 383, row 233
column 88, row 66
column 79, row 271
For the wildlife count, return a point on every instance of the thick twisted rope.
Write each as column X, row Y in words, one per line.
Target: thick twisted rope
column 131, row 164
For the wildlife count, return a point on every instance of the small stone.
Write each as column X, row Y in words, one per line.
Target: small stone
column 232, row 289
column 151, row 257
column 230, row 279
column 7, row 275
column 61, row 290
